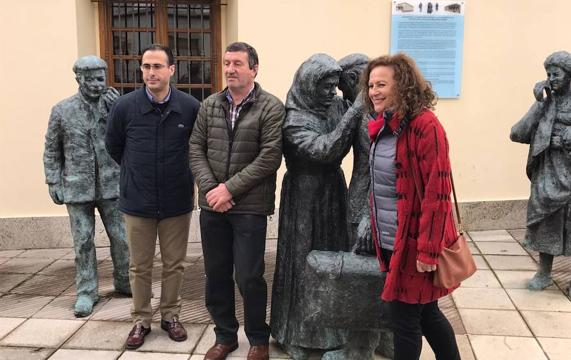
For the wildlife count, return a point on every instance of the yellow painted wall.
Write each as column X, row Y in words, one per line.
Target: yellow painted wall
column 505, row 44
column 40, row 43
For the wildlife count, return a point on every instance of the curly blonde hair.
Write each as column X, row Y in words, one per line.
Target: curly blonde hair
column 413, row 93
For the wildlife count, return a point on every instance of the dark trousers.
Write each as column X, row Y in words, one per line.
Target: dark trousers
column 411, row 321
column 235, row 244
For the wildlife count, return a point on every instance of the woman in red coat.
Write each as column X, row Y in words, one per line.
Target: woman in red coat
column 410, row 227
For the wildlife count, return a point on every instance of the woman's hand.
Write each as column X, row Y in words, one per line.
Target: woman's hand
column 422, row 267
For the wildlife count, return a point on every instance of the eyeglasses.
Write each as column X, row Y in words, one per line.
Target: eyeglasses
column 156, row 67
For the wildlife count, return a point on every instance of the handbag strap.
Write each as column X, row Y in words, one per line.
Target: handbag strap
column 420, row 193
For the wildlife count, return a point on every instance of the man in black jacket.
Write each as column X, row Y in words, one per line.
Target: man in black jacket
column 147, row 134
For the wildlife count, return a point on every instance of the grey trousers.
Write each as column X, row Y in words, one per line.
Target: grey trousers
column 82, row 219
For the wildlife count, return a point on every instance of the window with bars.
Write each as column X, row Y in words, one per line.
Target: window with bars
column 190, row 28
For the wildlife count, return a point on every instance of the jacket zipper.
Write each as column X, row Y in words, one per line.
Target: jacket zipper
column 157, row 163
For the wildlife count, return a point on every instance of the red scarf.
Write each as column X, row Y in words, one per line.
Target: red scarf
column 375, row 126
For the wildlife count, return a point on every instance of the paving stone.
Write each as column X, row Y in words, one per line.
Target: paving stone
column 506, row 348
column 100, row 335
column 62, row 308
column 501, row 248
column 471, row 298
column 494, row 322
column 9, row 281
column 24, row 265
column 482, row 279
column 103, row 253
column 71, row 354
column 137, row 355
column 15, row 305
column 453, row 317
column 194, row 249
column 507, row 262
column 556, row 349
column 119, row 309
column 490, row 235
column 463, row 346
column 42, row 333
column 194, row 312
column 546, row 300
column 23, row 353
column 10, row 253
column 562, row 279
column 9, row 324
column 473, row 249
column 159, row 341
column 549, row 323
column 517, row 279
column 518, row 234
column 480, row 262
column 60, row 267
column 45, row 253
column 562, row 264
column 44, row 285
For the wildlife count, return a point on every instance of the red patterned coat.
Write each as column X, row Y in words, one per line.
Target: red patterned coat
column 423, row 227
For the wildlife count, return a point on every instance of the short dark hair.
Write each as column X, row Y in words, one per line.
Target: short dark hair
column 248, row 49
column 159, row 47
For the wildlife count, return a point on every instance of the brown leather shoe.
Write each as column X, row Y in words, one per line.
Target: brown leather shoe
column 259, row 352
column 137, row 336
column 220, row 351
column 174, row 328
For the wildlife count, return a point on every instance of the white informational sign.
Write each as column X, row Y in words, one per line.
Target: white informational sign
column 432, row 33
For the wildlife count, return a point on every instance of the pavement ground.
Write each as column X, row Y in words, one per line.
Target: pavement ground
column 493, row 314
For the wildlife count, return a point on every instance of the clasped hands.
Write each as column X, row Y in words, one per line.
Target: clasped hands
column 220, row 199
column 422, row 267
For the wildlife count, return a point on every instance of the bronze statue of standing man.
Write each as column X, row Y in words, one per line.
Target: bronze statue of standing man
column 81, row 175
column 547, row 128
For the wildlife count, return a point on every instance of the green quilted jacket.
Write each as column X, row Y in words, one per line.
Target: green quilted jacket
column 245, row 158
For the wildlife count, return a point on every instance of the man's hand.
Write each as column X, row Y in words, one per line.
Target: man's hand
column 219, row 198
column 56, row 193
column 422, row 267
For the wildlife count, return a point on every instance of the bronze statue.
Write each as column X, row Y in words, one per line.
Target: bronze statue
column 317, row 136
column 358, row 212
column 81, row 175
column 547, row 128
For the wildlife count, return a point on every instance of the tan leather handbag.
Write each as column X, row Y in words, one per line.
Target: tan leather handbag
column 455, row 263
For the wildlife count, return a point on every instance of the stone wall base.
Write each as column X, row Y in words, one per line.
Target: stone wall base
column 54, row 231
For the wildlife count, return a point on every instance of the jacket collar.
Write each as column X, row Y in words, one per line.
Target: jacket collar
column 222, row 95
column 146, row 106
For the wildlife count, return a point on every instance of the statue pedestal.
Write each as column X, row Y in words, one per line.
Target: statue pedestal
column 343, row 291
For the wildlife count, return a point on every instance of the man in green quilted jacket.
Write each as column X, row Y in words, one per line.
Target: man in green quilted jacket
column 235, row 151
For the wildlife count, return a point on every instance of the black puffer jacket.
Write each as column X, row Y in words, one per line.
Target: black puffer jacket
column 152, row 149
column 244, row 158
